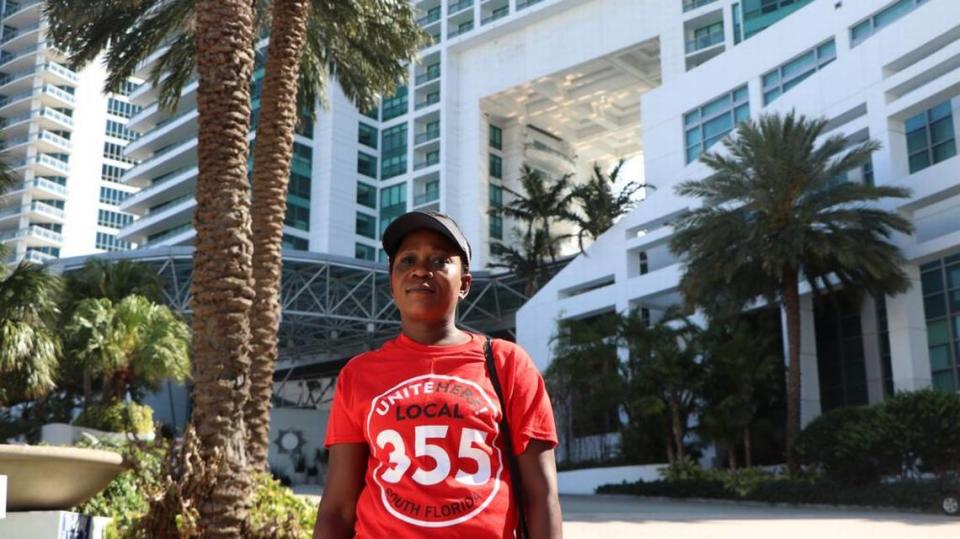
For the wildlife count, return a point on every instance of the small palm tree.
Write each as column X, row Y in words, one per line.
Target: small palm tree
column 29, row 348
column 599, row 207
column 777, row 209
column 540, row 203
column 663, row 367
column 133, row 344
column 100, row 278
column 527, row 259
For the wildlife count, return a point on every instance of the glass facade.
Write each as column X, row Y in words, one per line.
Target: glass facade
column 496, row 166
column 940, row 282
column 496, row 221
column 869, row 26
column 395, row 105
column 760, row 14
column 366, row 195
column 705, row 125
column 393, row 154
column 366, row 225
column 841, row 368
column 496, row 137
column 367, row 165
column 782, row 79
column 930, row 137
column 393, row 204
column 295, row 243
column 298, row 195
column 364, row 252
column 367, row 135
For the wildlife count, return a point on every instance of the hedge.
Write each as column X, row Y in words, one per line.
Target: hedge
column 117, row 417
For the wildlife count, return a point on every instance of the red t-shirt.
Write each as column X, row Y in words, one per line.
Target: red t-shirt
column 430, row 417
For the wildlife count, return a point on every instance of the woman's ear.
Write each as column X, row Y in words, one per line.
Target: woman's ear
column 465, row 280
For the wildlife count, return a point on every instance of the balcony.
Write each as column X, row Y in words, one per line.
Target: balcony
column 8, row 80
column 59, row 97
column 170, row 159
column 10, row 58
column 41, row 212
column 462, row 29
column 35, row 235
column 52, row 142
column 426, row 198
column 426, row 136
column 694, row 4
column 44, row 188
column 523, row 4
column 433, row 73
column 47, row 165
column 495, row 15
column 432, row 159
column 17, row 33
column 456, row 7
column 57, row 119
column 431, row 99
column 430, row 18
column 61, row 73
column 15, row 12
column 704, row 42
column 167, row 187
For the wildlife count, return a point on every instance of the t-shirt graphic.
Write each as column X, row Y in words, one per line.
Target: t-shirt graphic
column 434, row 435
column 430, row 419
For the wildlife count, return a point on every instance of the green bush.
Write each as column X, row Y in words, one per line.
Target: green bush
column 117, row 417
column 850, row 445
column 926, row 429
column 278, row 512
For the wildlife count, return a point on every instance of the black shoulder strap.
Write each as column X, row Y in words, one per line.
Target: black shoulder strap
column 517, row 486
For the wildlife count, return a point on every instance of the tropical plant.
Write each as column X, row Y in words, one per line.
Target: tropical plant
column 526, row 259
column 662, row 373
column 598, row 206
column 29, row 348
column 777, row 208
column 133, row 344
column 115, row 280
column 539, row 204
column 363, row 43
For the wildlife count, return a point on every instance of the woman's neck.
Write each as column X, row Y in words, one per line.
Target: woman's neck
column 446, row 334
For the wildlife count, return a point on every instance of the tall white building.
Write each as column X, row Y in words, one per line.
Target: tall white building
column 64, row 140
column 561, row 84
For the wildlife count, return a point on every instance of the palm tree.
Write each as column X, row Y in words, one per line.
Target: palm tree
column 134, row 344
column 363, row 43
column 100, row 278
column 777, row 208
column 29, row 347
column 540, row 203
column 527, row 259
column 599, row 207
column 663, row 368
column 365, row 53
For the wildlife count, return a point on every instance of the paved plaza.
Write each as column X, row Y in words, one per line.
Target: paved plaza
column 622, row 517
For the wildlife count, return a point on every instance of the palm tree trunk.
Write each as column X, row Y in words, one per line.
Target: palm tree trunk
column 271, row 174
column 732, row 456
column 671, row 458
column 791, row 300
column 747, row 450
column 87, row 388
column 222, row 289
column 677, row 428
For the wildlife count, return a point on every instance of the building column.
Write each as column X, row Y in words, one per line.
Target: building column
column 909, row 357
column 809, row 373
column 871, row 349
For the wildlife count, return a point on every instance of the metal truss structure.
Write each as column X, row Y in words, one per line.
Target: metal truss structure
column 333, row 307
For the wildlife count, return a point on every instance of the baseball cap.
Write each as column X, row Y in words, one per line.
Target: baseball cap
column 429, row 220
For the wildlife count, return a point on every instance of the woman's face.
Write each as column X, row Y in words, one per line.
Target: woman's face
column 427, row 279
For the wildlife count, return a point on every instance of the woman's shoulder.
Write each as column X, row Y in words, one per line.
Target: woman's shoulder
column 509, row 352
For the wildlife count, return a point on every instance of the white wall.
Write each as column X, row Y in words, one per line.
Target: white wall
column 587, row 480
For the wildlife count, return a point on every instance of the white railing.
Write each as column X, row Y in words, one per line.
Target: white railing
column 19, row 32
column 24, row 4
column 46, row 209
column 56, row 139
column 59, row 93
column 15, row 97
column 20, row 54
column 46, row 185
column 54, row 67
column 53, row 162
column 43, row 233
column 58, row 116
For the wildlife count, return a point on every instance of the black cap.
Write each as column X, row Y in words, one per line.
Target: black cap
column 420, row 220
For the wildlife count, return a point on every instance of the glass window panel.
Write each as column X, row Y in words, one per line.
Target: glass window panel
column 953, row 276
column 934, row 306
column 892, row 13
column 717, row 126
column 944, row 151
column 827, row 51
column 915, row 122
column 693, row 153
column 800, row 65
column 860, row 32
column 796, row 80
column 931, row 281
column 741, row 113
column 771, row 79
column 941, row 130
column 692, row 118
column 770, row 96
column 740, row 94
column 716, row 106
column 919, row 161
column 916, row 141
column 693, row 136
column 940, row 111
column 937, row 333
column 711, row 141
column 939, row 357
column 944, row 381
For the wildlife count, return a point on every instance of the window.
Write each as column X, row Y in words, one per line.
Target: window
column 367, row 135
column 395, row 105
column 115, row 152
column 120, row 131
column 299, row 187
column 393, row 203
column 930, row 137
column 297, row 216
column 940, row 282
column 364, row 252
column 841, row 365
column 496, row 137
column 706, row 36
column 788, row 75
column 366, row 225
column 114, row 197
column 302, row 159
column 496, row 221
column 121, row 108
column 867, row 172
column 295, row 243
column 109, row 242
column 113, row 219
column 393, row 151
column 366, row 195
column 869, row 26
column 709, row 123
column 111, row 173
column 127, row 88
column 644, row 263
column 496, row 166
column 367, row 165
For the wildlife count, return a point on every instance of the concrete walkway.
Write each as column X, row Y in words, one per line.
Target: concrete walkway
column 623, row 517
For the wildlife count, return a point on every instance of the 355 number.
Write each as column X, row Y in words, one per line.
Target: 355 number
column 423, row 435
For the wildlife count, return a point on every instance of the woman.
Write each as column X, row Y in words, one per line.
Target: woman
column 416, row 448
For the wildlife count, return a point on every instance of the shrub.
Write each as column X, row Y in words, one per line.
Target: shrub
column 850, row 445
column 278, row 512
column 117, row 417
column 927, row 429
